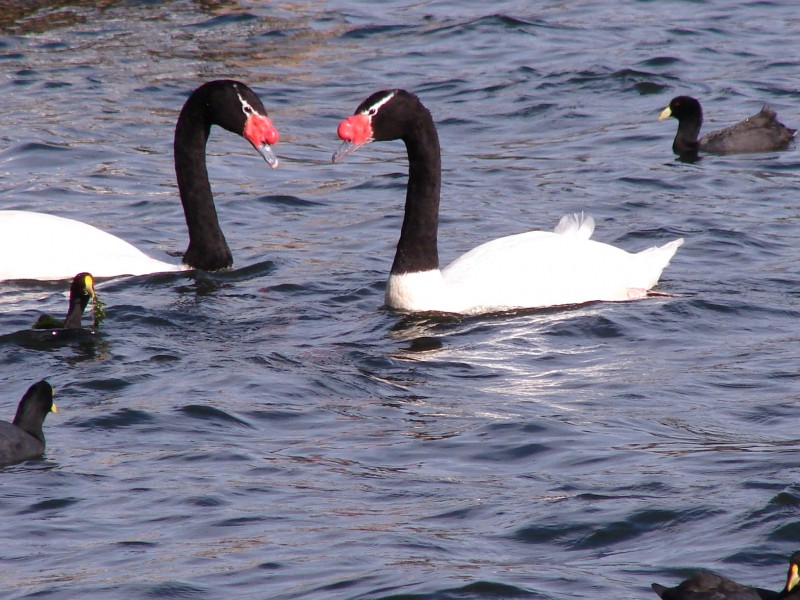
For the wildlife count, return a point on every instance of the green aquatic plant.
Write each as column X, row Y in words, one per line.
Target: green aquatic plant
column 98, row 311
column 48, row 322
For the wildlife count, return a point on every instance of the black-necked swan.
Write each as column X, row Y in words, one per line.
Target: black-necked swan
column 704, row 585
column 43, row 246
column 24, row 439
column 528, row 270
column 760, row 133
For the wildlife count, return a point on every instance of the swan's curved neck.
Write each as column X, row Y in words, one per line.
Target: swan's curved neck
column 417, row 249
column 208, row 248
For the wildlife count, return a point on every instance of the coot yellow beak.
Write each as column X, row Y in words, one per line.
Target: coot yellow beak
column 794, row 577
column 88, row 283
column 665, row 114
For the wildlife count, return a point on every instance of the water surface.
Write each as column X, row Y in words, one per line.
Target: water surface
column 273, row 432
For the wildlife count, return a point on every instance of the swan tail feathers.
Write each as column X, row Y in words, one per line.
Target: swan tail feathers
column 576, row 224
column 652, row 261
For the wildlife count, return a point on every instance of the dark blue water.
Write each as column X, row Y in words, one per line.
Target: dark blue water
column 274, row 432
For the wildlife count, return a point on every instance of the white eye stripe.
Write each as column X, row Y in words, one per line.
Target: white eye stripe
column 246, row 108
column 371, row 110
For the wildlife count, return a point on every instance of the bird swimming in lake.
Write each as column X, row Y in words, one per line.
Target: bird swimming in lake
column 24, row 439
column 710, row 586
column 80, row 292
column 760, row 133
column 529, row 270
column 72, row 246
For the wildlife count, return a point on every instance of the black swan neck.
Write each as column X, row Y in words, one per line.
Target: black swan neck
column 208, row 248
column 417, row 249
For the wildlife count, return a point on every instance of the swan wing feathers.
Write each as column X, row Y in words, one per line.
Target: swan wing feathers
column 538, row 269
column 576, row 224
column 41, row 246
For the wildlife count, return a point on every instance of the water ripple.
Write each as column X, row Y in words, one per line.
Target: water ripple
column 273, row 431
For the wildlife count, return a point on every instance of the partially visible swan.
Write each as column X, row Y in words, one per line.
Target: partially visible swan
column 760, row 133
column 528, row 270
column 42, row 246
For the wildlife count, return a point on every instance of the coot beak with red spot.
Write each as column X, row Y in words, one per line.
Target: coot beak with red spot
column 355, row 131
column 259, row 131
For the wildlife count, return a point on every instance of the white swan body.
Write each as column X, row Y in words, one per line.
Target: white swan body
column 533, row 270
column 24, row 234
